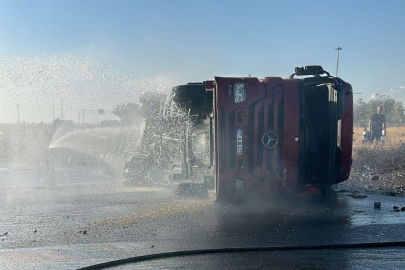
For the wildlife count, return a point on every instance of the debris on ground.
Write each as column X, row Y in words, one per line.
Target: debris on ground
column 343, row 191
column 389, row 193
column 377, row 205
column 390, row 183
column 357, row 194
column 379, row 168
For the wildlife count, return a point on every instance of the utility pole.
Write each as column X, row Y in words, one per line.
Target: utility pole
column 18, row 112
column 337, row 63
column 98, row 114
column 61, row 109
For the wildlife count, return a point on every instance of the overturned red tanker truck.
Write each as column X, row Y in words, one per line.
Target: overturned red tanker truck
column 246, row 136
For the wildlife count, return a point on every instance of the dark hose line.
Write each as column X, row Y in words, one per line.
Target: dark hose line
column 240, row 249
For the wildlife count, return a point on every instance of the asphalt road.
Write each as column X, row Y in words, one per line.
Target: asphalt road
column 81, row 217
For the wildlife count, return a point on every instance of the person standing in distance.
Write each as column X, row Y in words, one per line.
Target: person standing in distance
column 377, row 125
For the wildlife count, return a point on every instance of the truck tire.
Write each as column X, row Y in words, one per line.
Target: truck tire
column 191, row 95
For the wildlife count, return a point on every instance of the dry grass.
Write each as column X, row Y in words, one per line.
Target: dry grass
column 379, row 165
column 380, row 157
column 394, row 134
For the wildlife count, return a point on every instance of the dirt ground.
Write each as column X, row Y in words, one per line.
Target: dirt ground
column 379, row 166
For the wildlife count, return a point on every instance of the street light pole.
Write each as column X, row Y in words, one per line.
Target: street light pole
column 18, row 112
column 337, row 63
column 61, row 109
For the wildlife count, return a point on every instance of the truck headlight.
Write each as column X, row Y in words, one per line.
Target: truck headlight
column 239, row 91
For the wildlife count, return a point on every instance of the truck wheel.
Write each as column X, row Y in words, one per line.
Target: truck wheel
column 191, row 95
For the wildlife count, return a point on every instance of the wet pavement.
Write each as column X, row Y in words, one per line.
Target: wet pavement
column 79, row 217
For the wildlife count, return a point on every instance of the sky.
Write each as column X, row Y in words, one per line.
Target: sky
column 93, row 54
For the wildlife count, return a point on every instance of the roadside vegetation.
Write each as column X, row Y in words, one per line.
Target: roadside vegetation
column 379, row 166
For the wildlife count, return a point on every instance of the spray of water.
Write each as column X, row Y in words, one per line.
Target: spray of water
column 40, row 88
column 110, row 145
column 66, row 83
column 397, row 93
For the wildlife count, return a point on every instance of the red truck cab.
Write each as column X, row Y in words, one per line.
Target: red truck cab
column 276, row 136
column 250, row 137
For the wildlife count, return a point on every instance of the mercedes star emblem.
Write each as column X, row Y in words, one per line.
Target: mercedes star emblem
column 269, row 139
